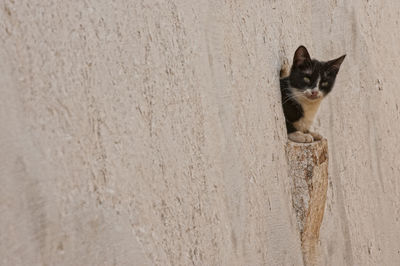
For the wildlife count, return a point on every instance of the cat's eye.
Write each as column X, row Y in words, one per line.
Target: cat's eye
column 306, row 80
column 324, row 84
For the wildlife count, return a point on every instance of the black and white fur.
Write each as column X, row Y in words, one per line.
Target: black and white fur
column 303, row 89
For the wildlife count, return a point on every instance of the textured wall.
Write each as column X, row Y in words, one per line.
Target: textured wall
column 151, row 132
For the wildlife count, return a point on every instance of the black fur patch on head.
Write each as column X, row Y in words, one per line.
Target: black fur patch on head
column 306, row 72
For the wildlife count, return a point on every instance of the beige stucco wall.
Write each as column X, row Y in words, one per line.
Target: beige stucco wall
column 151, row 132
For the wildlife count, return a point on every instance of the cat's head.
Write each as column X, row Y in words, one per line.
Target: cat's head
column 310, row 78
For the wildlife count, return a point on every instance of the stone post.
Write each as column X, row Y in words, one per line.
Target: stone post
column 308, row 172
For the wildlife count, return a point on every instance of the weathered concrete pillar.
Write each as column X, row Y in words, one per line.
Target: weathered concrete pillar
column 308, row 172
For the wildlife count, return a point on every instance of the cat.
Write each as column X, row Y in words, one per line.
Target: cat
column 302, row 89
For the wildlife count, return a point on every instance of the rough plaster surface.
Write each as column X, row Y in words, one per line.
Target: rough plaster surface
column 151, row 132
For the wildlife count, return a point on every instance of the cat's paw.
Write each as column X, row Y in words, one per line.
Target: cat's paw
column 300, row 137
column 285, row 69
column 316, row 135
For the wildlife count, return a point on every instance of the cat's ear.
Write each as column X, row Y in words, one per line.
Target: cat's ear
column 335, row 63
column 300, row 56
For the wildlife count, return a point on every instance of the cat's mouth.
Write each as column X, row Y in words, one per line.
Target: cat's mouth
column 313, row 96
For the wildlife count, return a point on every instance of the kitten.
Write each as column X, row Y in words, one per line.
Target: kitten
column 303, row 89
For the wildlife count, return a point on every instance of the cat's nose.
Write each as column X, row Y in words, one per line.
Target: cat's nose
column 314, row 93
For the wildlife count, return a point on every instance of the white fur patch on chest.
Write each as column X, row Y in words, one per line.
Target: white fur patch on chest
column 310, row 109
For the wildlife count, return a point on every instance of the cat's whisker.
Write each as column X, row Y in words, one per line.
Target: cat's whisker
column 292, row 95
